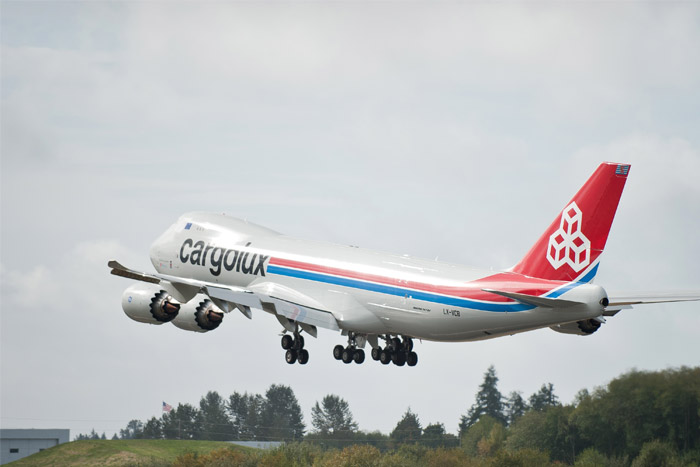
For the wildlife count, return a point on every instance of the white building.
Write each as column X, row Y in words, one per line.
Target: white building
column 16, row 444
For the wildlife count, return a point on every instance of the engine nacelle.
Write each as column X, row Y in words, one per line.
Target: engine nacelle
column 147, row 303
column 585, row 327
column 199, row 315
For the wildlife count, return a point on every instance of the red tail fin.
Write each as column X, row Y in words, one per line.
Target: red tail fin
column 569, row 249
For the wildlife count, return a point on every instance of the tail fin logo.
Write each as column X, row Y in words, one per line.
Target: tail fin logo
column 568, row 245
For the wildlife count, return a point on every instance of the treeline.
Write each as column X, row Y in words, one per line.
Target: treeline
column 637, row 416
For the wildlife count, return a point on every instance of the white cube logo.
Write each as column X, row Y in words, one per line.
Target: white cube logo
column 568, row 245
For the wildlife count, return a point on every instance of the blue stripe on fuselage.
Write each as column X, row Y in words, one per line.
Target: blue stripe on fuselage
column 420, row 295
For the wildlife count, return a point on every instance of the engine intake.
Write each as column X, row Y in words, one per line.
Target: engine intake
column 147, row 303
column 584, row 327
column 199, row 315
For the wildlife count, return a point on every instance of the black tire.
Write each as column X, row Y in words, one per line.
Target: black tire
column 299, row 343
column 400, row 359
column 385, row 357
column 408, row 344
column 290, row 356
column 396, row 343
column 375, row 353
column 359, row 356
column 287, row 342
column 303, row 357
column 338, row 352
column 412, row 359
column 347, row 355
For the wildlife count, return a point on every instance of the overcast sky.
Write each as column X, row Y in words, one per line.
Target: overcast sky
column 451, row 130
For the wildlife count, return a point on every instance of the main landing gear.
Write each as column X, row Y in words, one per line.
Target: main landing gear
column 350, row 353
column 398, row 351
column 294, row 345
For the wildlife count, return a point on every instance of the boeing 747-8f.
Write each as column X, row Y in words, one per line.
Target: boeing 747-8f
column 209, row 265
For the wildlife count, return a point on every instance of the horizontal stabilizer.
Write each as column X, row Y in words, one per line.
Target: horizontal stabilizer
column 641, row 299
column 535, row 301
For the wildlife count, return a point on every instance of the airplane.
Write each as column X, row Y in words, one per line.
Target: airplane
column 209, row 265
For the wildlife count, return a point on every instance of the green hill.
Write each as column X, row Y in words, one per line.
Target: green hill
column 143, row 452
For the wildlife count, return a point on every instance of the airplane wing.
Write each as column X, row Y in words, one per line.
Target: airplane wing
column 286, row 304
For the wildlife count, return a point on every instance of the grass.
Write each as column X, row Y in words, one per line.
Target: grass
column 132, row 452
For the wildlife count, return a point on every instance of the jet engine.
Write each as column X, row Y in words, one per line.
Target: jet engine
column 582, row 328
column 147, row 303
column 199, row 315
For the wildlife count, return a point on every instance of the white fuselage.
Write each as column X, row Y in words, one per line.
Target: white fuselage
column 368, row 292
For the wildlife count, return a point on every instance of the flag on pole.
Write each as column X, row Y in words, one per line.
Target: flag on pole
column 167, row 407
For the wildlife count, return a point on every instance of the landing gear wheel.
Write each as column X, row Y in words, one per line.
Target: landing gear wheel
column 299, row 341
column 408, row 344
column 412, row 359
column 287, row 342
column 385, row 357
column 359, row 356
column 399, row 359
column 291, row 356
column 347, row 355
column 338, row 352
column 396, row 343
column 375, row 353
column 303, row 357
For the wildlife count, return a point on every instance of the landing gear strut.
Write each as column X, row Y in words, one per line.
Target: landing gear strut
column 350, row 353
column 294, row 345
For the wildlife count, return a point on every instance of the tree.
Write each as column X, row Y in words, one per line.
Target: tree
column 434, row 436
column 153, row 429
column 408, row 429
column 638, row 407
column 133, row 430
column 333, row 417
column 544, row 398
column 281, row 415
column 216, row 425
column 515, row 407
column 489, row 401
column 183, row 422
column 246, row 415
column 486, row 430
column 550, row 430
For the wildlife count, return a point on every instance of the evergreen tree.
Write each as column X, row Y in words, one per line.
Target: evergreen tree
column 183, row 422
column 544, row 398
column 408, row 429
column 281, row 415
column 333, row 418
column 515, row 407
column 434, row 435
column 133, row 430
column 153, row 429
column 216, row 425
column 246, row 415
column 489, row 401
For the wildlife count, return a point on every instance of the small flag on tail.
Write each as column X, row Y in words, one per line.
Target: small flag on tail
column 167, row 407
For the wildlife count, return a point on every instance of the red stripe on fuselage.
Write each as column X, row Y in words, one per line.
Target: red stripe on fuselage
column 505, row 281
